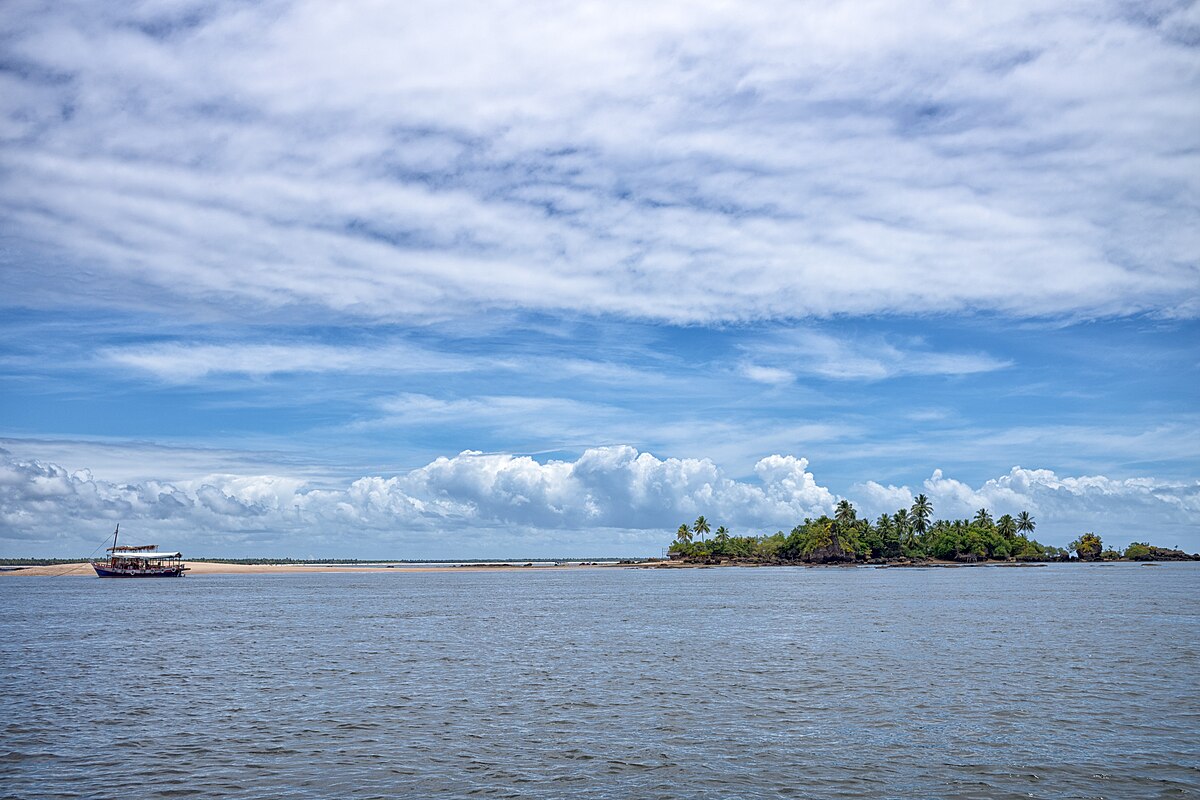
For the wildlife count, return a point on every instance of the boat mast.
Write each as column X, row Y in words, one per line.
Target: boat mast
column 114, row 549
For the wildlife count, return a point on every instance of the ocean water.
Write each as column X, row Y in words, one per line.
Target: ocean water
column 1064, row 681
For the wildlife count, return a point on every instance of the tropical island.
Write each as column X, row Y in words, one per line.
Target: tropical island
column 909, row 536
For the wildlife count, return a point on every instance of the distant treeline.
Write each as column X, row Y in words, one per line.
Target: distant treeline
column 909, row 534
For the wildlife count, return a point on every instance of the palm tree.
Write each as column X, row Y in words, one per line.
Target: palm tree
column 1025, row 523
column 1007, row 526
column 700, row 526
column 903, row 525
column 844, row 515
column 722, row 535
column 982, row 518
column 684, row 534
column 922, row 510
column 889, row 534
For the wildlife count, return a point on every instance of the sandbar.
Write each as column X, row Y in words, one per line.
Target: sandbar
column 84, row 569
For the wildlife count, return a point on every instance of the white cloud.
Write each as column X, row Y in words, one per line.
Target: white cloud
column 122, row 461
column 874, row 498
column 610, row 488
column 180, row 363
column 413, row 408
column 607, row 499
column 811, row 352
column 686, row 162
column 771, row 375
column 541, row 422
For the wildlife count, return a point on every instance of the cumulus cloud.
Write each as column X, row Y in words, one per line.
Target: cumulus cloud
column 605, row 488
column 683, row 162
column 607, row 498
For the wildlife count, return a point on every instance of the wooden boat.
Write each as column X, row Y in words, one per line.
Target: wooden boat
column 138, row 561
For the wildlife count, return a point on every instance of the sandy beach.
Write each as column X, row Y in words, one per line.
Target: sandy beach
column 84, row 569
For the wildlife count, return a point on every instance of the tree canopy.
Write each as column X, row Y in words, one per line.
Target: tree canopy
column 907, row 534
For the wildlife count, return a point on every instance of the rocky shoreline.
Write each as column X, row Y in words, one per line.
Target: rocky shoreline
column 828, row 557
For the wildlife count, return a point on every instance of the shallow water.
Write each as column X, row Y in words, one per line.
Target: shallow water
column 1058, row 681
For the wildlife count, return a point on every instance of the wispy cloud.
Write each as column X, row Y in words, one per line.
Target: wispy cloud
column 545, row 421
column 771, row 375
column 136, row 461
column 186, row 363
column 686, row 163
column 833, row 357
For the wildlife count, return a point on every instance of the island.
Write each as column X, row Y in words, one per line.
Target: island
column 910, row 536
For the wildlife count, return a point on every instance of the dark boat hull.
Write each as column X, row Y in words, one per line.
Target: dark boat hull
column 108, row 572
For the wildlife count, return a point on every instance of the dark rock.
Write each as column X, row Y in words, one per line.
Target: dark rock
column 1167, row 554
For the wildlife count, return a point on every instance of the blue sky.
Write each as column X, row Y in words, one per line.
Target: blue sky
column 509, row 280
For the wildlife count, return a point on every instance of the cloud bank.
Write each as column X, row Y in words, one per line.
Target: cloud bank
column 683, row 162
column 446, row 501
column 472, row 504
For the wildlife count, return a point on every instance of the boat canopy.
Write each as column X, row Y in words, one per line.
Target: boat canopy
column 148, row 556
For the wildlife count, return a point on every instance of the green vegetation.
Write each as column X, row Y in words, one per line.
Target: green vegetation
column 1087, row 547
column 907, row 535
column 1138, row 551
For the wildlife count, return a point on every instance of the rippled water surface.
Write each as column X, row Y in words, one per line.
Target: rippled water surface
column 1059, row 681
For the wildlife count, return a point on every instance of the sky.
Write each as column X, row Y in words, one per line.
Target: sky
column 456, row 280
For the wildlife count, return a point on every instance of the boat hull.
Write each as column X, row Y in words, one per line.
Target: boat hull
column 109, row 572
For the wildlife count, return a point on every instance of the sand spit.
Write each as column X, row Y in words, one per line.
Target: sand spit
column 84, row 569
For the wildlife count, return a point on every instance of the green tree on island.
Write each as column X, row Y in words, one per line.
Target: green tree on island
column 845, row 514
column 1006, row 526
column 1088, row 547
column 902, row 522
column 890, row 535
column 921, row 511
column 700, row 526
column 1025, row 523
column 982, row 518
column 684, row 534
column 821, row 540
column 722, row 536
column 1138, row 551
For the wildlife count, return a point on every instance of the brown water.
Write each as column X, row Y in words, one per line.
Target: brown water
column 1053, row 682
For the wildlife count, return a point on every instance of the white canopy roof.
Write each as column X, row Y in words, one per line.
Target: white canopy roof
column 146, row 555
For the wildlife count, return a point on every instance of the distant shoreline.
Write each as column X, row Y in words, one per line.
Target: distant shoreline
column 84, row 568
